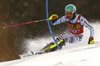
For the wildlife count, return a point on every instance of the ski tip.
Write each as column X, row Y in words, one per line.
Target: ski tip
column 32, row 52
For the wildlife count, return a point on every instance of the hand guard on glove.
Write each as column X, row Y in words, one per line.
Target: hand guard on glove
column 91, row 40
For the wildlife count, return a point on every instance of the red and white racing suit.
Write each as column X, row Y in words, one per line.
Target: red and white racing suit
column 75, row 30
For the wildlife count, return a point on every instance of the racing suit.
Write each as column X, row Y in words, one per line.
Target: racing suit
column 75, row 30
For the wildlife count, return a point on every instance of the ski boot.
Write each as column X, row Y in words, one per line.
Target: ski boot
column 53, row 47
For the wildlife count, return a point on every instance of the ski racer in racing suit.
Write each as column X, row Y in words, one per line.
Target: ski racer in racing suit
column 75, row 23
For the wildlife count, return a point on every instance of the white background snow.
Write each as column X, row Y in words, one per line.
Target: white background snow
column 78, row 54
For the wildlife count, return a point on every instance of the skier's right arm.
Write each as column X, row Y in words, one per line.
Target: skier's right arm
column 56, row 21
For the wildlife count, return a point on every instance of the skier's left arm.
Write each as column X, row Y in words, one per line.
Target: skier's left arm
column 90, row 27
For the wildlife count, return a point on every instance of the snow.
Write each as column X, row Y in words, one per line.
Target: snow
column 78, row 54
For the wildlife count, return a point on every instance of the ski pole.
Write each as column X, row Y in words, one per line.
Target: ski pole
column 23, row 23
column 50, row 18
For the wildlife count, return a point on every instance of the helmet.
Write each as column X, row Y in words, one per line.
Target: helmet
column 70, row 8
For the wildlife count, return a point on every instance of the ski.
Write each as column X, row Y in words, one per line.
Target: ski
column 47, row 49
column 37, row 53
column 32, row 53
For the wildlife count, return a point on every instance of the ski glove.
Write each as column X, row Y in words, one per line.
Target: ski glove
column 91, row 40
column 54, row 18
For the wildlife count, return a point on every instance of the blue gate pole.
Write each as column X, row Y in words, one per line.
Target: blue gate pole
column 49, row 24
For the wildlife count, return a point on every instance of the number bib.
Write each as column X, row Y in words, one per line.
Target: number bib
column 75, row 28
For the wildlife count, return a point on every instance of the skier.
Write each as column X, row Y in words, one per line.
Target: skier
column 75, row 23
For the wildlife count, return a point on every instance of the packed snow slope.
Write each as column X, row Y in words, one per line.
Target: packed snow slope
column 78, row 54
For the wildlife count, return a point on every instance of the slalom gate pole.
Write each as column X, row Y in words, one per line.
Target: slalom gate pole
column 49, row 24
column 24, row 23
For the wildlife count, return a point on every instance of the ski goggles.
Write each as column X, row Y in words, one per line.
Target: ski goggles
column 69, row 13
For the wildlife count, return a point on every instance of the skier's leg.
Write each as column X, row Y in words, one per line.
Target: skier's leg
column 63, row 38
column 69, row 37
